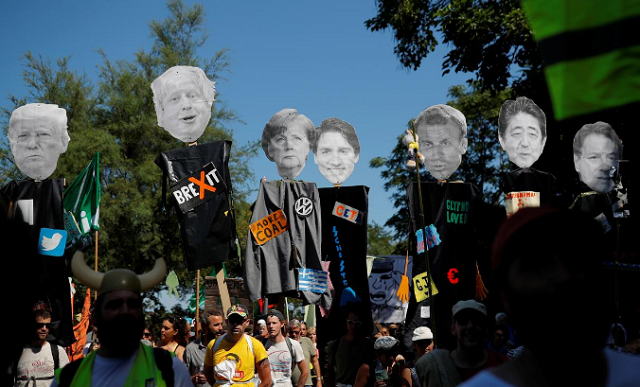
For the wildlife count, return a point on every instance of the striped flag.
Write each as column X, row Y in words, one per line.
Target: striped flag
column 82, row 197
column 311, row 280
column 590, row 51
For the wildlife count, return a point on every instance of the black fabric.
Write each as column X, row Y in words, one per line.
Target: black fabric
column 589, row 42
column 69, row 372
column 164, row 362
column 208, row 231
column 56, row 356
column 163, row 359
column 353, row 244
column 450, row 207
column 49, row 275
column 531, row 179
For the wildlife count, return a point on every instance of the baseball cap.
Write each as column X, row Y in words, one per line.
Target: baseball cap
column 237, row 309
column 421, row 333
column 468, row 304
column 385, row 343
column 275, row 313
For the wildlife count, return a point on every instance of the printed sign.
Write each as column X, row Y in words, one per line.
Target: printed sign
column 384, row 282
column 52, row 242
column 269, row 227
column 513, row 201
column 198, row 188
column 312, row 280
column 346, row 212
column 420, row 286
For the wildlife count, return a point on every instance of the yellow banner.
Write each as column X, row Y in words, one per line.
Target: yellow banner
column 420, row 286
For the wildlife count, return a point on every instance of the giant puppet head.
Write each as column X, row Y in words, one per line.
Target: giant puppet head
column 38, row 136
column 597, row 150
column 183, row 97
column 522, row 131
column 442, row 132
column 286, row 140
column 336, row 150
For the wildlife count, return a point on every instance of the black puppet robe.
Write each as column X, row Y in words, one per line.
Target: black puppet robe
column 208, row 231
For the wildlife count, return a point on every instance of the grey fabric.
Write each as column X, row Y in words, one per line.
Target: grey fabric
column 309, row 351
column 194, row 358
column 272, row 268
column 436, row 369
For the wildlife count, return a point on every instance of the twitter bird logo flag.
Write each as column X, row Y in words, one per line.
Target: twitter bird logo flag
column 52, row 242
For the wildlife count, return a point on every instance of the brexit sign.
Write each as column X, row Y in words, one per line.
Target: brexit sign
column 199, row 188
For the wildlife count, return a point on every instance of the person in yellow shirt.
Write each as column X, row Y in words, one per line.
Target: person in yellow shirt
column 233, row 358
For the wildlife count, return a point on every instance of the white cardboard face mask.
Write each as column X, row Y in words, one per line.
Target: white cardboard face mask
column 183, row 97
column 38, row 137
column 335, row 152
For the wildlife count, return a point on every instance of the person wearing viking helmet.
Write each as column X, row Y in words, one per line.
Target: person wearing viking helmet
column 122, row 359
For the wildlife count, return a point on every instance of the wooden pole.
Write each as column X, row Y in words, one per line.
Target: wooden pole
column 195, row 324
column 95, row 295
column 222, row 287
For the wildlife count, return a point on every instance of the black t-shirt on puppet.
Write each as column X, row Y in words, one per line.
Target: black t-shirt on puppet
column 450, row 208
column 41, row 205
column 207, row 230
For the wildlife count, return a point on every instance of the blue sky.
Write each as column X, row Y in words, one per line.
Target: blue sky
column 317, row 57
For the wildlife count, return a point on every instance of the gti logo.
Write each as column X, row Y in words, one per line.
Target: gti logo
column 52, row 242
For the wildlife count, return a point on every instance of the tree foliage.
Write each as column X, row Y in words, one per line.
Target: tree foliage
column 379, row 241
column 490, row 39
column 117, row 119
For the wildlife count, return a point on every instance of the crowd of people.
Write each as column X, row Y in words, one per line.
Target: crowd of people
column 538, row 290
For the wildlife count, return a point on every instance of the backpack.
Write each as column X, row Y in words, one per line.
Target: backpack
column 163, row 360
column 267, row 344
column 256, row 379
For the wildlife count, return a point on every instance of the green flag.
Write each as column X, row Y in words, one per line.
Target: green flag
column 82, row 197
column 591, row 53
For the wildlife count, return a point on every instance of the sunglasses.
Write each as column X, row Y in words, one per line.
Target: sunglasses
column 356, row 323
column 41, row 325
column 146, row 334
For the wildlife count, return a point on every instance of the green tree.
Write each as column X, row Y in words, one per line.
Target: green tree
column 379, row 240
column 490, row 39
column 117, row 118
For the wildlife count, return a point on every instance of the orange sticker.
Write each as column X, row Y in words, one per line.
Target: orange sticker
column 269, row 227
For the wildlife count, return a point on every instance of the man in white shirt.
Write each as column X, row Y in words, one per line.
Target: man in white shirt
column 284, row 353
column 39, row 358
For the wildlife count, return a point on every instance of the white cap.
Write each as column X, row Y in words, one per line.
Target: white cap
column 422, row 333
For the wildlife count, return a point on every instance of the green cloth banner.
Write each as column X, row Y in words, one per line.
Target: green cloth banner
column 591, row 53
column 82, row 197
